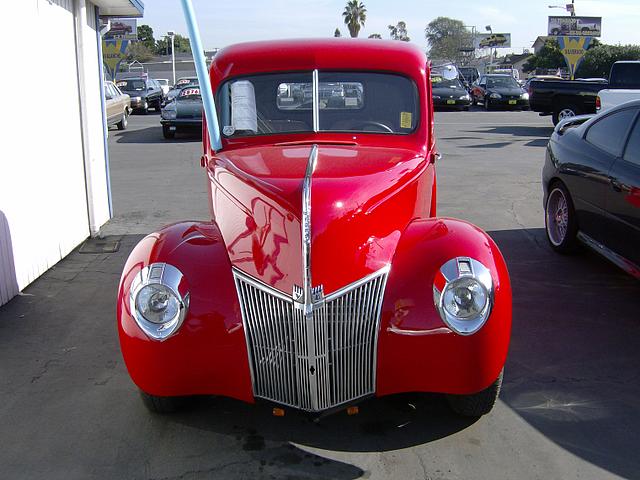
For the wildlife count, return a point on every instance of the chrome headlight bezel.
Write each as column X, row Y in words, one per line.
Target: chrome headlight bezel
column 451, row 274
column 172, row 281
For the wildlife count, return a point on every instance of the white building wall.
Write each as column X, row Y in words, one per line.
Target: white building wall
column 44, row 212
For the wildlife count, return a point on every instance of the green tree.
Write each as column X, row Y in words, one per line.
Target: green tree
column 549, row 57
column 145, row 36
column 337, row 33
column 139, row 51
column 399, row 32
column 599, row 59
column 355, row 14
column 376, row 36
column 163, row 46
column 446, row 36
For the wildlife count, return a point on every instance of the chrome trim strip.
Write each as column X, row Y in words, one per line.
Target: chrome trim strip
column 626, row 265
column 316, row 102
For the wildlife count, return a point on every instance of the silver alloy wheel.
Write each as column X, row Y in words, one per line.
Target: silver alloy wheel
column 557, row 216
column 125, row 120
column 566, row 113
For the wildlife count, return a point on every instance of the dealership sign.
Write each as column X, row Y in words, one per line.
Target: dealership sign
column 113, row 53
column 573, row 49
column 575, row 26
column 492, row 40
column 122, row 29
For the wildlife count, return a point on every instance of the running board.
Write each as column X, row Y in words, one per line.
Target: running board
column 629, row 267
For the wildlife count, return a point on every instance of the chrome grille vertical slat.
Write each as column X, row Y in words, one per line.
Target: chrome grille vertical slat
column 338, row 338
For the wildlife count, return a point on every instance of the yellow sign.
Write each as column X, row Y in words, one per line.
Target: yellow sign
column 573, row 49
column 405, row 119
column 113, row 53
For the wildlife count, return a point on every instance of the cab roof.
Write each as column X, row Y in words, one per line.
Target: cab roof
column 322, row 54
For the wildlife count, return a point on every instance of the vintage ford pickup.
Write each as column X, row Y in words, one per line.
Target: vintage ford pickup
column 324, row 275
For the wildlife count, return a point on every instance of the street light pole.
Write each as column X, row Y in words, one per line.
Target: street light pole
column 171, row 35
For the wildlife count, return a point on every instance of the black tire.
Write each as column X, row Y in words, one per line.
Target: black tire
column 158, row 106
column 476, row 404
column 162, row 405
column 566, row 242
column 487, row 104
column 122, row 124
column 168, row 134
column 565, row 111
column 474, row 100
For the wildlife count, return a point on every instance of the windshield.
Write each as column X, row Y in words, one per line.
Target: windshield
column 189, row 93
column 439, row 82
column 502, row 82
column 131, row 85
column 163, row 81
column 363, row 102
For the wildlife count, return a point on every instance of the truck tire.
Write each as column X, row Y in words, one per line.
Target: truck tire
column 565, row 111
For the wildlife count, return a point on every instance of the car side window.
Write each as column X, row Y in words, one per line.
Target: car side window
column 107, row 93
column 113, row 91
column 609, row 133
column 632, row 153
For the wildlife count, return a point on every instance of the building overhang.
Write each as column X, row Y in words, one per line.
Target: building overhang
column 120, row 8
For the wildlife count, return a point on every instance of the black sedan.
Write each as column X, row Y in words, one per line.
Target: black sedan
column 145, row 93
column 499, row 91
column 449, row 94
column 591, row 181
column 183, row 113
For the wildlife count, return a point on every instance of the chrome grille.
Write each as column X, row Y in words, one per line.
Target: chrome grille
column 312, row 360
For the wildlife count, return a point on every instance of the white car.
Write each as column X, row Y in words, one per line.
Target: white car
column 164, row 85
column 624, row 85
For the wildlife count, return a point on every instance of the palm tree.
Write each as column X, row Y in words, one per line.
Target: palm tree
column 355, row 14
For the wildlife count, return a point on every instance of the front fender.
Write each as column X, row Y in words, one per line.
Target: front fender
column 416, row 349
column 208, row 354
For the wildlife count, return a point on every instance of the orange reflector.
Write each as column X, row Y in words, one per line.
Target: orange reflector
column 353, row 411
column 278, row 412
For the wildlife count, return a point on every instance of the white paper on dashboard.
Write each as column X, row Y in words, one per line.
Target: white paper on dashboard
column 243, row 106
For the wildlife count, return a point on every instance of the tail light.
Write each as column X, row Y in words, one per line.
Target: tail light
column 598, row 103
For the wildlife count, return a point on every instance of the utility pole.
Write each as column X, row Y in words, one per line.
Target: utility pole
column 171, row 35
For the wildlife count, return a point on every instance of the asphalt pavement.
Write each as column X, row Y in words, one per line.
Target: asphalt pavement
column 569, row 407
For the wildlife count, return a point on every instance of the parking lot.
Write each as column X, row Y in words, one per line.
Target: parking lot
column 569, row 405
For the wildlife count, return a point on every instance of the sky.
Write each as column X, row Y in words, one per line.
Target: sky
column 226, row 22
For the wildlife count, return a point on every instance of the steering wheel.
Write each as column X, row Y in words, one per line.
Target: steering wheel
column 379, row 125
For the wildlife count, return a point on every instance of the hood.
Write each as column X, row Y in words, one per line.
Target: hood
column 507, row 91
column 362, row 198
column 446, row 92
column 189, row 108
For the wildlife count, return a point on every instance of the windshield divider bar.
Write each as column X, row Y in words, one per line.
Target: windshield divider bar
column 316, row 102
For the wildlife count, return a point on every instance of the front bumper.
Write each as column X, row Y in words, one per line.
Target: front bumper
column 182, row 122
column 450, row 102
column 509, row 102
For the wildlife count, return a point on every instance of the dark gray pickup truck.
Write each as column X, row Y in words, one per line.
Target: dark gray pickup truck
column 564, row 98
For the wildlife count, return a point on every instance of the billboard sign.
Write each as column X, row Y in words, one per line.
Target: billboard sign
column 575, row 26
column 492, row 40
column 573, row 50
column 113, row 53
column 122, row 29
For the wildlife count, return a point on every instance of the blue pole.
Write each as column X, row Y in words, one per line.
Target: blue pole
column 203, row 75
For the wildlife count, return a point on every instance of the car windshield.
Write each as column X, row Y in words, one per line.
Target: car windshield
column 189, row 93
column 131, row 85
column 439, row 82
column 363, row 102
column 502, row 82
column 163, row 81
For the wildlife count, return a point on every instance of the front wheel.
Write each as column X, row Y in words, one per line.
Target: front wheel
column 564, row 112
column 560, row 220
column 122, row 124
column 167, row 132
column 162, row 405
column 487, row 104
column 476, row 404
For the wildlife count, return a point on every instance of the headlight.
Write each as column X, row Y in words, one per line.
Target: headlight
column 436, row 97
column 169, row 113
column 465, row 97
column 136, row 99
column 495, row 95
column 158, row 300
column 463, row 294
column 524, row 96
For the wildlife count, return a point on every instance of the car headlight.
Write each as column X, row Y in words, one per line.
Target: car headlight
column 463, row 294
column 136, row 99
column 169, row 113
column 436, row 97
column 465, row 97
column 524, row 96
column 495, row 95
column 158, row 300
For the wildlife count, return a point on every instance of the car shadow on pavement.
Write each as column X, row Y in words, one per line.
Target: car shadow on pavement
column 517, row 130
column 573, row 366
column 154, row 135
